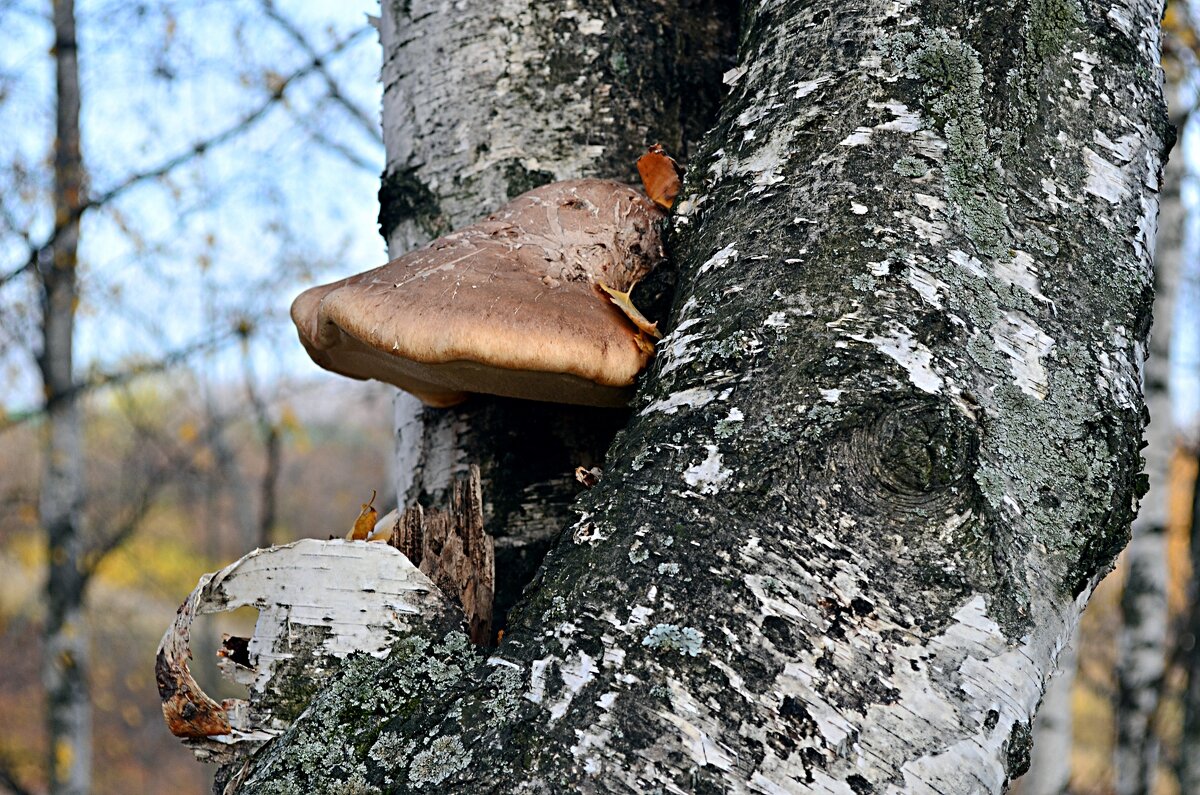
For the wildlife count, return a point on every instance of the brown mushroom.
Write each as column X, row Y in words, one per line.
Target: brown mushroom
column 510, row 305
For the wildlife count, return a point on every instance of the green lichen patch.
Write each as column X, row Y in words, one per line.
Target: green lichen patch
column 669, row 637
column 1040, row 242
column 638, row 553
column 504, row 701
column 390, row 749
column 909, row 166
column 949, row 78
column 350, row 738
column 1051, row 23
column 444, row 757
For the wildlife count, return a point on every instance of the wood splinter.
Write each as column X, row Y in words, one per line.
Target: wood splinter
column 452, row 549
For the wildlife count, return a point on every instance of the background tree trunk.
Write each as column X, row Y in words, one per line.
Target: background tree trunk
column 1142, row 647
column 65, row 666
column 888, row 448
column 1187, row 765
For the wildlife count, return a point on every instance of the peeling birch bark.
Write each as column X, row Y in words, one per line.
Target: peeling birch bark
column 318, row 602
column 884, row 454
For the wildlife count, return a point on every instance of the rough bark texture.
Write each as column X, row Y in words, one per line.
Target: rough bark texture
column 65, row 636
column 887, row 450
column 453, row 550
column 486, row 101
column 1143, row 642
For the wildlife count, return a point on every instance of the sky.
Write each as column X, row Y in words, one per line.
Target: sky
column 235, row 234
column 1185, row 325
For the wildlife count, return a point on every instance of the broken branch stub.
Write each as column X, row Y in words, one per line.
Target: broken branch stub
column 318, row 602
column 452, row 548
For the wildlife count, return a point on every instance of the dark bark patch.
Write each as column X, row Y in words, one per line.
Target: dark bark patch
column 520, row 179
column 404, row 197
column 1019, row 747
column 860, row 785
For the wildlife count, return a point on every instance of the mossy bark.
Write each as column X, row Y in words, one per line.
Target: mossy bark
column 886, row 450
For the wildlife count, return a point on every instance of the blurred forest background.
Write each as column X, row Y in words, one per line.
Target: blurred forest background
column 159, row 211
column 229, row 156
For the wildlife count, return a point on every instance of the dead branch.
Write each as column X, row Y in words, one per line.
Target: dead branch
column 242, row 125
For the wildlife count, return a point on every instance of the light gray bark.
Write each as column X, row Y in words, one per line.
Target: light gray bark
column 886, row 451
column 65, row 636
column 1187, row 767
column 1142, row 645
column 1053, row 738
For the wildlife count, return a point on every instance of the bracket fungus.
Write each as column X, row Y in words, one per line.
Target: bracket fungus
column 516, row 304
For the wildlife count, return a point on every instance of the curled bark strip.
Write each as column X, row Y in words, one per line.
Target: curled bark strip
column 318, row 601
column 188, row 710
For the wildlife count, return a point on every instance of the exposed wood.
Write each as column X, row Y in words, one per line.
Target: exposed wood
column 452, row 548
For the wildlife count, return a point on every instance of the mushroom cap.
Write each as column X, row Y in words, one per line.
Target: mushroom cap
column 507, row 306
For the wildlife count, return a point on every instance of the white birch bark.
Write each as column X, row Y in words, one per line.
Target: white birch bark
column 882, row 458
column 1053, row 736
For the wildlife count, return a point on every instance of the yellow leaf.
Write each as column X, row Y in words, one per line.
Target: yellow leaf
column 288, row 421
column 623, row 302
column 365, row 522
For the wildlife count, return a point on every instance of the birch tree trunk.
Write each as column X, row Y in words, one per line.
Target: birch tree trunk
column 888, row 448
column 65, row 636
column 1053, row 732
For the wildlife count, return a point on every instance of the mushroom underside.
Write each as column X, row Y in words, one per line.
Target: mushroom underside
column 447, row 384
